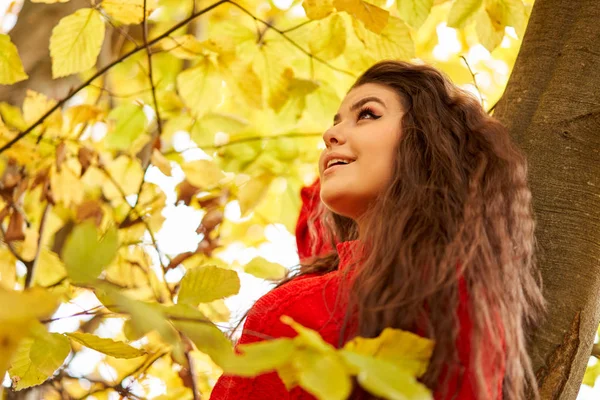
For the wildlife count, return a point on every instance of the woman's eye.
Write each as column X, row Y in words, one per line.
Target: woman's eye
column 367, row 113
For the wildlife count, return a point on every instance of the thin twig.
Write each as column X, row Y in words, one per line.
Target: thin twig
column 104, row 69
column 31, row 272
column 293, row 28
column 291, row 41
column 474, row 80
column 28, row 264
column 192, row 371
column 149, row 54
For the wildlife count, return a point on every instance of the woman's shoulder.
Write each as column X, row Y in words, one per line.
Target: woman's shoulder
column 303, row 299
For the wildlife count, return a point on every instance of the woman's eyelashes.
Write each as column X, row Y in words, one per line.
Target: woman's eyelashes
column 367, row 112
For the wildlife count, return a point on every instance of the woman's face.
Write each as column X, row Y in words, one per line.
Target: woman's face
column 363, row 137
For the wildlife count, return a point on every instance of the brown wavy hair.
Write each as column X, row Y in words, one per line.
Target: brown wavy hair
column 458, row 205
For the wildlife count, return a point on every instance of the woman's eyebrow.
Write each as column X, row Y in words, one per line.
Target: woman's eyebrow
column 359, row 104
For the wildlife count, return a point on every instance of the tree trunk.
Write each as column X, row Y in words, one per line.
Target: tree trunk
column 552, row 108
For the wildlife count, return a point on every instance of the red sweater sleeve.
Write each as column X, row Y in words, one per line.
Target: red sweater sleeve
column 309, row 236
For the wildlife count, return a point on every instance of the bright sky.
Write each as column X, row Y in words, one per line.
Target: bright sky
column 178, row 233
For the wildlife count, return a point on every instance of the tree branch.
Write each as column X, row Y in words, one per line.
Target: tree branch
column 104, row 70
column 474, row 80
column 292, row 42
column 31, row 271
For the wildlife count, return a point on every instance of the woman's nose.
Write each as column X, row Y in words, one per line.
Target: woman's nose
column 333, row 136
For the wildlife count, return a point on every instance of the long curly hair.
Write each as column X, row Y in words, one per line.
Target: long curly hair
column 458, row 207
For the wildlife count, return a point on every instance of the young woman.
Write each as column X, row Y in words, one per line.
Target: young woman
column 426, row 226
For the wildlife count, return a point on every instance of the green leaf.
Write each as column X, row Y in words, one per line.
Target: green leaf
column 200, row 87
column 11, row 68
column 328, row 37
column 128, row 122
column 264, row 269
column 374, row 18
column 76, row 41
column 144, row 317
column 317, row 9
column 405, row 349
column 260, row 357
column 85, row 254
column 202, row 173
column 207, row 337
column 15, row 321
column 384, row 379
column 462, row 11
column 323, row 375
column 107, row 346
column 207, row 283
column 37, row 357
column 414, row 12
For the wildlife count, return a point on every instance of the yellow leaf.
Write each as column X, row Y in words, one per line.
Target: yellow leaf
column 384, row 379
column 202, row 173
column 12, row 116
column 159, row 161
column 11, row 68
column 186, row 47
column 507, row 13
column 30, row 243
column 406, row 350
column 128, row 11
column 8, row 269
column 243, row 82
column 50, row 269
column 490, row 35
column 328, row 37
column 203, row 130
column 216, row 311
column 260, row 357
column 208, row 283
column 81, row 114
column 85, row 255
column 75, row 42
column 264, row 269
column 36, row 105
column 462, row 11
column 37, row 357
column 307, row 337
column 414, row 12
column 200, row 87
column 374, row 18
column 16, row 320
column 127, row 122
column 107, row 346
column 253, row 191
column 127, row 173
column 317, row 9
column 66, row 185
column 323, row 375
column 394, row 41
column 49, row 1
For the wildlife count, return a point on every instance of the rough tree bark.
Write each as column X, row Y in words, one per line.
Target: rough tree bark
column 552, row 108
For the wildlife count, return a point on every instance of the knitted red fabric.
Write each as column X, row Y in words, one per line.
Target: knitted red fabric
column 319, row 303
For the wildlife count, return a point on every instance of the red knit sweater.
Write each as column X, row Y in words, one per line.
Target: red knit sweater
column 317, row 302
